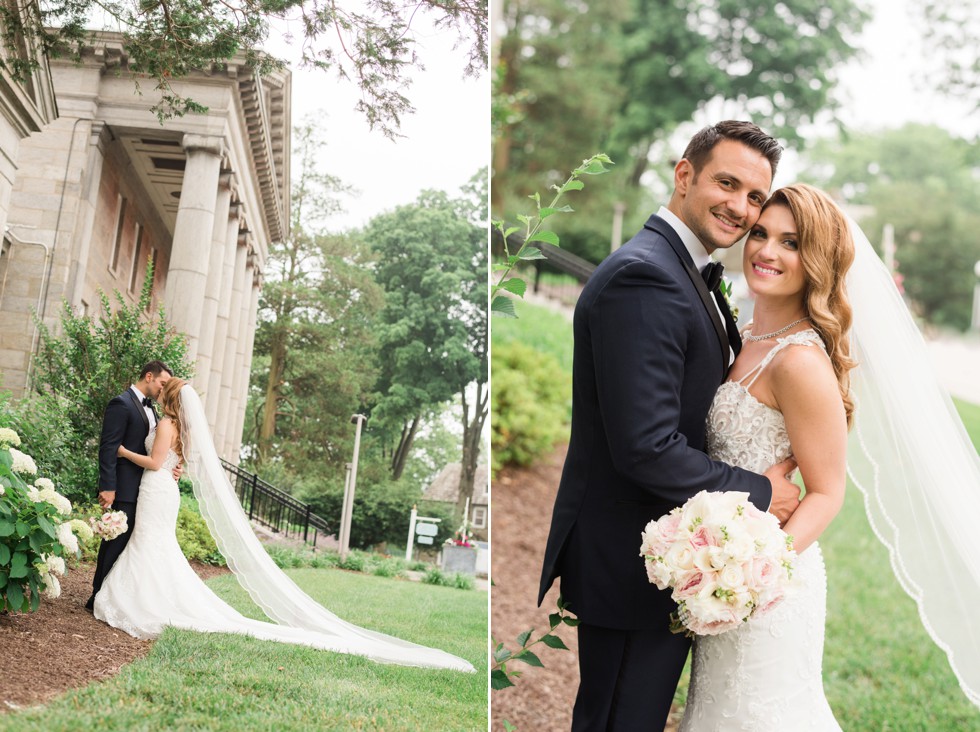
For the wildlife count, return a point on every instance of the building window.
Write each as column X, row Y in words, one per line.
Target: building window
column 117, row 245
column 137, row 250
column 479, row 517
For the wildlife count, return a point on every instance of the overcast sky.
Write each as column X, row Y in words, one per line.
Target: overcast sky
column 445, row 142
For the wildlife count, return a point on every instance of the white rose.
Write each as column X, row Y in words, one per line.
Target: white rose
column 679, row 557
column 66, row 538
column 732, row 578
column 659, row 574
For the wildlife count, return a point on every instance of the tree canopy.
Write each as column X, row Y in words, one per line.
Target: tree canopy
column 369, row 43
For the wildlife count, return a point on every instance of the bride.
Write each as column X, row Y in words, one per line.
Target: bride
column 151, row 586
column 790, row 391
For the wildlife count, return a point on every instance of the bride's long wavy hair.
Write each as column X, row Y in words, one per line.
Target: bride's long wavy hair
column 170, row 401
column 827, row 253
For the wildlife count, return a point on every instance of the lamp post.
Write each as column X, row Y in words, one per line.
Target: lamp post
column 358, row 420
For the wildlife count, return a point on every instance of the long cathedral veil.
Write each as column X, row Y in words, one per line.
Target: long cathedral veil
column 278, row 596
column 912, row 459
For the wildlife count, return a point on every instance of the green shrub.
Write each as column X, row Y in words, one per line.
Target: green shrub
column 195, row 539
column 462, row 581
column 530, row 404
column 388, row 568
column 355, row 562
column 434, row 576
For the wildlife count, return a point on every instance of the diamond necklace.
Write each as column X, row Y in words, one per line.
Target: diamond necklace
column 767, row 336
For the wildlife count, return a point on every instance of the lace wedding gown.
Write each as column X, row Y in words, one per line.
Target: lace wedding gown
column 151, row 586
column 764, row 676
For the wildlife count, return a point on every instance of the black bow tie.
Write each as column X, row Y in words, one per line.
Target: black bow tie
column 712, row 273
column 147, row 402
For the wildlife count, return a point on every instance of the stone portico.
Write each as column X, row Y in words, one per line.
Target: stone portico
column 98, row 192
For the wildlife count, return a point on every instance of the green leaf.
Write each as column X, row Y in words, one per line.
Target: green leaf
column 19, row 559
column 572, row 185
column 553, row 641
column 499, row 680
column 594, row 166
column 572, row 622
column 555, row 620
column 511, row 230
column 19, row 572
column 46, row 526
column 501, row 654
column 503, row 307
column 4, row 555
column 22, row 528
column 15, row 596
column 515, row 285
column 6, row 528
column 529, row 658
column 546, row 236
column 524, row 637
column 548, row 211
column 531, row 253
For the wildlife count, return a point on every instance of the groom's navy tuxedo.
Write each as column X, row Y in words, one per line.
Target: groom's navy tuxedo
column 650, row 352
column 125, row 423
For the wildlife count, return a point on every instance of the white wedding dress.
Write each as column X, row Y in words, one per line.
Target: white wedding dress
column 151, row 586
column 766, row 675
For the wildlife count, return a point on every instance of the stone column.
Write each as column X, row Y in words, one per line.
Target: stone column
column 189, row 257
column 213, row 291
column 99, row 138
column 214, row 404
column 239, row 384
column 226, row 427
column 246, row 369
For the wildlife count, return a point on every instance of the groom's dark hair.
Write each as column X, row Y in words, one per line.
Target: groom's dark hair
column 699, row 148
column 155, row 368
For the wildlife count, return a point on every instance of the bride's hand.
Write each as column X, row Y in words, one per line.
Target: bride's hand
column 785, row 494
column 121, row 452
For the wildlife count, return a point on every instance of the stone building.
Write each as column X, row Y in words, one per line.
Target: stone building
column 105, row 187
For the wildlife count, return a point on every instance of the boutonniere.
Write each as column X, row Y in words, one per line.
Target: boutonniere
column 726, row 292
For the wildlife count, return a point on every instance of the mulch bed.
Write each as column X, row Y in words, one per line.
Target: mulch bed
column 521, row 503
column 62, row 646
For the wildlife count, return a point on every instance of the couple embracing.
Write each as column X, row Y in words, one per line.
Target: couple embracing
column 669, row 399
column 143, row 584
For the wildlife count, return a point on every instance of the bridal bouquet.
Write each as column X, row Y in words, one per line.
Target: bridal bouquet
column 724, row 559
column 110, row 525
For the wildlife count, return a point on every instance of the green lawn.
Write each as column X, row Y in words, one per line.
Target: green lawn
column 193, row 681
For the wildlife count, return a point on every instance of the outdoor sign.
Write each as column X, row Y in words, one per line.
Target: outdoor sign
column 426, row 530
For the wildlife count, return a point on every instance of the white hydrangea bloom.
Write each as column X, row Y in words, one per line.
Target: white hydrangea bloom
column 81, row 529
column 34, row 494
column 66, row 538
column 56, row 565
column 23, row 463
column 42, row 483
column 52, row 588
column 57, row 500
column 8, row 437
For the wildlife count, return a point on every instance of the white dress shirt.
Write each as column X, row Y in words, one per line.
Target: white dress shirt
column 149, row 412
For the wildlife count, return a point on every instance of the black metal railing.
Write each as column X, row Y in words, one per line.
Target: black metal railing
column 275, row 509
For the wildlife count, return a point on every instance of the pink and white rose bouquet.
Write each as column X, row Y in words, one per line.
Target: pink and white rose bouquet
column 110, row 524
column 724, row 559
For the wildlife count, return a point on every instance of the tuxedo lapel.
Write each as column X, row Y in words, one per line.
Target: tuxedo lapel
column 661, row 227
column 139, row 408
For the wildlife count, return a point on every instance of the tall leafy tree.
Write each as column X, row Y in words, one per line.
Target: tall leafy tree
column 623, row 90
column 431, row 265
column 371, row 44
column 951, row 30
column 921, row 180
column 314, row 344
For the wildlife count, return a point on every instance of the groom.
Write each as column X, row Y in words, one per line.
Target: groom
column 651, row 348
column 128, row 419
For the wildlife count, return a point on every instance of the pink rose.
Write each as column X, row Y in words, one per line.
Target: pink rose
column 767, row 601
column 764, row 572
column 702, row 537
column 688, row 584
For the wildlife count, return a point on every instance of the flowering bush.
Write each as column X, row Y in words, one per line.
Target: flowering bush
column 34, row 536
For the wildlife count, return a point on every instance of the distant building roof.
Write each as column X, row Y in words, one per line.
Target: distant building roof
column 445, row 486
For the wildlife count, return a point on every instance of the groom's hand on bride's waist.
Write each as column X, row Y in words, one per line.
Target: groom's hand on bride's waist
column 178, row 471
column 785, row 493
column 106, row 498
